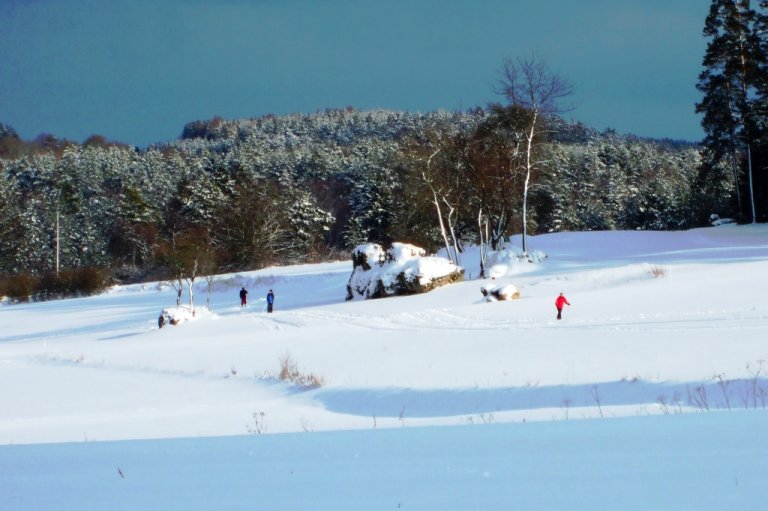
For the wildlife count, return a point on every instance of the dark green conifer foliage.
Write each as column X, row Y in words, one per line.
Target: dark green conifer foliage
column 731, row 81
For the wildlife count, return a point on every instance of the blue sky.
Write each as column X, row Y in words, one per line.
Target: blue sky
column 137, row 71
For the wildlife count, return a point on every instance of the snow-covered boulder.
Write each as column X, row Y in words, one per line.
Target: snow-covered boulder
column 404, row 269
column 367, row 256
column 492, row 292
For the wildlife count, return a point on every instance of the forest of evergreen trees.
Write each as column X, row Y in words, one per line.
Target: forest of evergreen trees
column 277, row 190
column 243, row 194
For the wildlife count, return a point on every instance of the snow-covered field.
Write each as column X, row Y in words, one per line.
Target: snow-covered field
column 649, row 394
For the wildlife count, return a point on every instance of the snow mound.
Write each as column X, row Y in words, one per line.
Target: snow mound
column 715, row 220
column 508, row 261
column 177, row 315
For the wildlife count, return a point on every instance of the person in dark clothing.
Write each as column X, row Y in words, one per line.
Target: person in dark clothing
column 161, row 320
column 560, row 302
column 243, row 297
column 270, row 300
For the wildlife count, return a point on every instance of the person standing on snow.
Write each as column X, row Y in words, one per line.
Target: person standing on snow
column 243, row 297
column 561, row 301
column 270, row 300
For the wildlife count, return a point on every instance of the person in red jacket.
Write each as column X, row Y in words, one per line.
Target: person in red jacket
column 561, row 301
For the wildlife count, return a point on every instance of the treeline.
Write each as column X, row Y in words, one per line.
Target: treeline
column 244, row 194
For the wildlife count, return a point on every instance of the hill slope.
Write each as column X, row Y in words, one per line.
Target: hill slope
column 663, row 328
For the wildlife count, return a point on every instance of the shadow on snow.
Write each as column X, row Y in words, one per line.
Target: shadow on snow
column 668, row 397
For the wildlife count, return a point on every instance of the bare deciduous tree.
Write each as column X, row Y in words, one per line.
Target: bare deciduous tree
column 444, row 179
column 530, row 85
column 437, row 195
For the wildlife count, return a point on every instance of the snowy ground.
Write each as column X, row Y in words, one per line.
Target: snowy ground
column 438, row 401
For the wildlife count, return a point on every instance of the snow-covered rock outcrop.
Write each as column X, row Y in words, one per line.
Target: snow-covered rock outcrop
column 402, row 270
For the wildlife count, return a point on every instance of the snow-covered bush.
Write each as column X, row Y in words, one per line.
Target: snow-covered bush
column 511, row 255
column 507, row 261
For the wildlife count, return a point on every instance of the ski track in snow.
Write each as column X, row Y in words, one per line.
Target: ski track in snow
column 451, row 320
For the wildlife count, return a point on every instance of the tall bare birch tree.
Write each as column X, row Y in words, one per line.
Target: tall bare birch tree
column 530, row 84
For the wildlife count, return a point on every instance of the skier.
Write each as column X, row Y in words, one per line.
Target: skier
column 560, row 301
column 161, row 320
column 270, row 300
column 243, row 297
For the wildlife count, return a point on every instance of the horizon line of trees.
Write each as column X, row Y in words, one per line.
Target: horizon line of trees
column 297, row 188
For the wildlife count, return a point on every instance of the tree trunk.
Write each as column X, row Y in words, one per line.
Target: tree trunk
column 528, row 169
column 58, row 244
column 442, row 224
column 751, row 188
column 482, row 228
column 497, row 231
column 190, row 285
column 436, row 202
column 745, row 113
column 451, row 215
